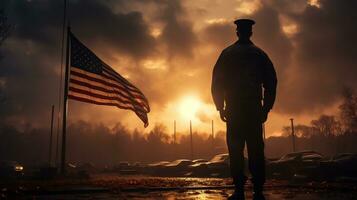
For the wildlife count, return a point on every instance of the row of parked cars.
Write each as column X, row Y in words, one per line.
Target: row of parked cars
column 218, row 166
column 303, row 164
column 313, row 165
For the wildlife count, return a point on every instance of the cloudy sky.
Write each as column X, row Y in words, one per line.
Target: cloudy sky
column 168, row 49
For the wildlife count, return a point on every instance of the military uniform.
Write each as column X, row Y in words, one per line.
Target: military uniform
column 244, row 85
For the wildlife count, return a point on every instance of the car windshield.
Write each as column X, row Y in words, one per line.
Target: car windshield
column 185, row 162
column 288, row 156
column 219, row 158
column 160, row 163
column 176, row 162
column 307, row 154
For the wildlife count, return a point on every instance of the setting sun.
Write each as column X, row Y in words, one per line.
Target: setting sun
column 189, row 106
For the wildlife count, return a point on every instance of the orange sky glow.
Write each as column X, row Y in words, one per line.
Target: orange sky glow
column 168, row 48
column 178, row 86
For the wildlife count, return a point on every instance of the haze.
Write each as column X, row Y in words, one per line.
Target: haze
column 168, row 49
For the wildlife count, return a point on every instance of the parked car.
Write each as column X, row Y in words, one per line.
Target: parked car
column 176, row 168
column 292, row 163
column 343, row 165
column 161, row 163
column 342, row 156
column 196, row 161
column 11, row 169
column 154, row 168
column 218, row 166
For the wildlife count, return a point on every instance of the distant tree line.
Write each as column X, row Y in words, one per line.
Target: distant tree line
column 102, row 145
column 329, row 134
column 328, row 125
column 99, row 144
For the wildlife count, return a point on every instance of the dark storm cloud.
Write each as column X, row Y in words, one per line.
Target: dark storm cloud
column 95, row 22
column 315, row 64
column 323, row 57
column 325, row 54
column 30, row 65
column 269, row 36
column 29, row 84
column 123, row 32
column 178, row 32
column 219, row 34
column 312, row 66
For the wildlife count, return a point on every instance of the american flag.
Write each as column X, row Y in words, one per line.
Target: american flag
column 93, row 81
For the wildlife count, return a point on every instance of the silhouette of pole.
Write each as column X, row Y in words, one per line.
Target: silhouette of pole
column 65, row 105
column 174, row 131
column 51, row 134
column 212, row 135
column 191, row 140
column 264, row 131
column 57, row 141
column 60, row 89
column 293, row 134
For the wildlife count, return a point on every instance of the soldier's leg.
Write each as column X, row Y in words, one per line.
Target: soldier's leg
column 255, row 147
column 236, row 142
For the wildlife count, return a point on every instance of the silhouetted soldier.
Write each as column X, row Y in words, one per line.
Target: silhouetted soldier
column 243, row 89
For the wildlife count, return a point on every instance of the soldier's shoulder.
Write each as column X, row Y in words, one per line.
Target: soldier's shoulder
column 259, row 50
column 229, row 48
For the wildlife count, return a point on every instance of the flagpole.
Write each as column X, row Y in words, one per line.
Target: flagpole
column 174, row 131
column 191, row 142
column 51, row 135
column 64, row 21
column 212, row 136
column 65, row 107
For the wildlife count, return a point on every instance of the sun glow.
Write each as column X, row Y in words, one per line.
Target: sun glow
column 189, row 106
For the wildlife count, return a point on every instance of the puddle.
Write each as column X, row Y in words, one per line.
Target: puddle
column 205, row 194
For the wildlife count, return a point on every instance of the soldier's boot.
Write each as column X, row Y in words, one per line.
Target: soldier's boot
column 258, row 192
column 238, row 193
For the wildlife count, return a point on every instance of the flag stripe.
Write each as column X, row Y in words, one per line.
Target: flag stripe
column 133, row 88
column 97, row 86
column 117, row 78
column 102, row 77
column 93, row 86
column 89, row 99
column 99, row 79
column 99, row 96
column 130, row 91
column 99, row 90
column 93, row 81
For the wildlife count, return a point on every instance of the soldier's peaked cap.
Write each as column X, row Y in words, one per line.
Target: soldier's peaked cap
column 244, row 23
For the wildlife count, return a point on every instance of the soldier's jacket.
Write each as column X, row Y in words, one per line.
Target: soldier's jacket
column 241, row 71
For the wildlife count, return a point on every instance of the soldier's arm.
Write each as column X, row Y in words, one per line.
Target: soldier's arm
column 217, row 84
column 269, row 84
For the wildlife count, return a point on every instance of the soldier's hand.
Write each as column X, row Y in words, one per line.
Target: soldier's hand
column 264, row 116
column 223, row 115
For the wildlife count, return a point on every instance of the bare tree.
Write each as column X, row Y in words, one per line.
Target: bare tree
column 301, row 130
column 348, row 110
column 326, row 125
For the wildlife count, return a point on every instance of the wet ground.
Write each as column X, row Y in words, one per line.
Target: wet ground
column 143, row 187
column 205, row 194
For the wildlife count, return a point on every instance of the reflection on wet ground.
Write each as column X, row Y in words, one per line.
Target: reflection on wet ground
column 209, row 195
column 169, row 188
